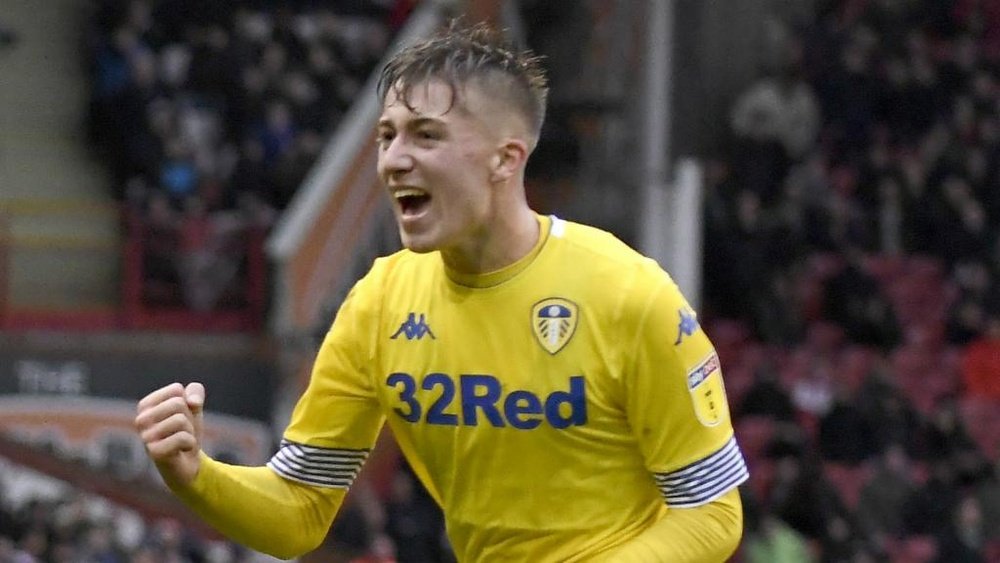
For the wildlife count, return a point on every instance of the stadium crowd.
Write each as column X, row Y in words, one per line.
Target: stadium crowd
column 851, row 281
column 852, row 261
column 70, row 527
column 210, row 115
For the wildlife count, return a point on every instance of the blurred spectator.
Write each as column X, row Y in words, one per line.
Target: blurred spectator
column 802, row 497
column 933, row 502
column 880, row 507
column 161, row 259
column 766, row 397
column 276, row 132
column 845, row 433
column 965, row 536
column 178, row 174
column 849, row 95
column 209, row 254
column 774, row 124
column 780, row 107
column 893, row 419
column 943, row 436
column 414, row 521
column 744, row 248
column 968, row 317
column 988, row 493
column 288, row 173
column 813, row 392
column 853, row 300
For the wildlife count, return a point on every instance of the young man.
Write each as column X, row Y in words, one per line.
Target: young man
column 550, row 386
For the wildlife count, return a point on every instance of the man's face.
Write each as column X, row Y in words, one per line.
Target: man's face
column 436, row 162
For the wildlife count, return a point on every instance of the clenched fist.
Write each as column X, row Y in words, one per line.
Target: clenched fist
column 169, row 422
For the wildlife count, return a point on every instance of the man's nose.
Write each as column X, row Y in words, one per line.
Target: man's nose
column 395, row 159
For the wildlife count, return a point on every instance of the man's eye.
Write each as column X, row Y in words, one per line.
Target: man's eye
column 428, row 135
column 383, row 137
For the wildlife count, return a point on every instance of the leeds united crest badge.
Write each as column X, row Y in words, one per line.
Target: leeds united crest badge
column 553, row 321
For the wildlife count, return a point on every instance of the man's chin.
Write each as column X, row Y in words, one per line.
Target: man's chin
column 420, row 249
column 418, row 244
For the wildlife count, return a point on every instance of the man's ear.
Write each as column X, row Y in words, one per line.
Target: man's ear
column 509, row 159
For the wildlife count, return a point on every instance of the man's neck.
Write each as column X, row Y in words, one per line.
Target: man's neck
column 510, row 238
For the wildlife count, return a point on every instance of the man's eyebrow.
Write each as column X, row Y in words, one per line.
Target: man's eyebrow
column 421, row 121
column 411, row 123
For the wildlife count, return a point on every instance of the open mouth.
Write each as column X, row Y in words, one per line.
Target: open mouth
column 412, row 201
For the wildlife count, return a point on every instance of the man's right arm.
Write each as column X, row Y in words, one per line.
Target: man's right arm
column 255, row 507
column 286, row 508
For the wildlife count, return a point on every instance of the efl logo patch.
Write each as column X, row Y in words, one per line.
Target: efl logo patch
column 553, row 321
column 708, row 393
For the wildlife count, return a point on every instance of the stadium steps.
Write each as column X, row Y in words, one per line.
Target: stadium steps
column 63, row 239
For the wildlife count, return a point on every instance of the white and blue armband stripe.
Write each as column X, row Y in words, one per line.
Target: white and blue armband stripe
column 321, row 467
column 704, row 480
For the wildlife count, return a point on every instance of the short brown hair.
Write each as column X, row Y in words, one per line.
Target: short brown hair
column 459, row 55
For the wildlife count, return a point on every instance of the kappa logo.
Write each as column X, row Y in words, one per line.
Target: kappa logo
column 414, row 327
column 553, row 321
column 688, row 324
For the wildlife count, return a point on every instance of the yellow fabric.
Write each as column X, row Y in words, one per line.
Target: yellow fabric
column 256, row 508
column 707, row 534
column 549, row 407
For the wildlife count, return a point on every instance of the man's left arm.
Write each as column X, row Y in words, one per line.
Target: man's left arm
column 707, row 533
column 677, row 407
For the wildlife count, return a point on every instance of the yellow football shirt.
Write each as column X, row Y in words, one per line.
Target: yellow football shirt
column 555, row 408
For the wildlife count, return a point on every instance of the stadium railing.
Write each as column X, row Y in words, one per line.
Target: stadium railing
column 242, row 308
column 60, row 269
